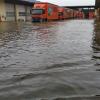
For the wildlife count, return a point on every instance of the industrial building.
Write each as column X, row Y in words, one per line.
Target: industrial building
column 98, row 8
column 15, row 10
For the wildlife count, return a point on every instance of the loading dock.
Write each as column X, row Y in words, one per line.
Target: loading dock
column 15, row 10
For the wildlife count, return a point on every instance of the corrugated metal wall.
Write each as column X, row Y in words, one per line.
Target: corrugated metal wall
column 18, row 10
column 21, row 13
column 10, row 12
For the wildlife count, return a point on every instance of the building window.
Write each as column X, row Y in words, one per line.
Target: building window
column 22, row 14
column 10, row 14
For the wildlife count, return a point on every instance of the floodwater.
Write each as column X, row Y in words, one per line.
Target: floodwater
column 50, row 61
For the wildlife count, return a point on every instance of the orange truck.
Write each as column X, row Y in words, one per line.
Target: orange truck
column 80, row 15
column 63, row 13
column 91, row 15
column 43, row 11
column 60, row 13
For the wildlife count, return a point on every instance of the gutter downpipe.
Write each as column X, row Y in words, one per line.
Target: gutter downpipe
column 15, row 11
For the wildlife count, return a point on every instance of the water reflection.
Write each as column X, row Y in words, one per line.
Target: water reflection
column 46, row 33
column 9, row 26
column 9, row 31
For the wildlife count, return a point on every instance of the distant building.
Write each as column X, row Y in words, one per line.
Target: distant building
column 15, row 10
column 97, row 9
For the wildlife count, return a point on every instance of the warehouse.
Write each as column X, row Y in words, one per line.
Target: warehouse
column 98, row 8
column 15, row 10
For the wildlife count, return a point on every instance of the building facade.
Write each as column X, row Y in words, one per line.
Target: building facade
column 15, row 10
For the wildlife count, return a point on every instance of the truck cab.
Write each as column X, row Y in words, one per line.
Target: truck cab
column 39, row 12
column 43, row 11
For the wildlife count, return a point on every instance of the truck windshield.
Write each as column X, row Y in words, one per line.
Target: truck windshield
column 37, row 11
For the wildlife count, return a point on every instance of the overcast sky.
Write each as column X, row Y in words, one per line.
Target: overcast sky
column 70, row 2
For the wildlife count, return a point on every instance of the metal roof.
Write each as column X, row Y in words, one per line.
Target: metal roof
column 75, row 7
column 20, row 2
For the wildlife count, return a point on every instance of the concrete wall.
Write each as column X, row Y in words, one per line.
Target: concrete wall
column 2, row 11
column 28, row 14
column 23, row 13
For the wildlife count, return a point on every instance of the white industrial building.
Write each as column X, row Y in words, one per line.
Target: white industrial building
column 15, row 10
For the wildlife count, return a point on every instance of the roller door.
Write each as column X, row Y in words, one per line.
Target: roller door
column 21, row 12
column 10, row 14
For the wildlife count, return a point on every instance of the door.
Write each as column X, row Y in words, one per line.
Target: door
column 10, row 13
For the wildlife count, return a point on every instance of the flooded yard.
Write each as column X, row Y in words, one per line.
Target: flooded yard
column 50, row 61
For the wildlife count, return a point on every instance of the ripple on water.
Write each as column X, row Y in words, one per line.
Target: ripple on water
column 50, row 61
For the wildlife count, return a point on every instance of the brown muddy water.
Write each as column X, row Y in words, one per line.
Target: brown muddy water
column 50, row 61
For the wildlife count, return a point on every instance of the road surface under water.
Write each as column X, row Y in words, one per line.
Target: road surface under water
column 50, row 61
